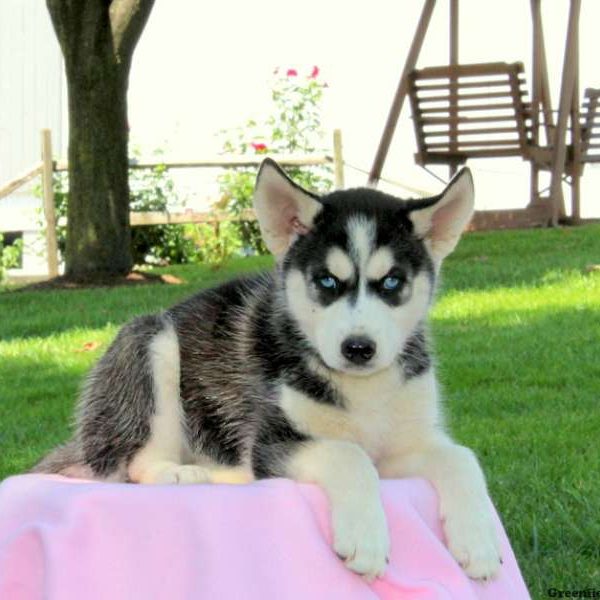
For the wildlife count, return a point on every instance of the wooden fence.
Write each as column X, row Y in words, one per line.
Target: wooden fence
column 47, row 167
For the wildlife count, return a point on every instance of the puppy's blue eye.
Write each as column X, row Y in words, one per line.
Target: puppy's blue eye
column 390, row 283
column 328, row 283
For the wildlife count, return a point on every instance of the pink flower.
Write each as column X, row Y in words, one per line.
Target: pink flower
column 292, row 73
column 315, row 73
column 259, row 147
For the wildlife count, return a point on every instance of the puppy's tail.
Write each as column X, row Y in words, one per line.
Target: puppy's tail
column 66, row 460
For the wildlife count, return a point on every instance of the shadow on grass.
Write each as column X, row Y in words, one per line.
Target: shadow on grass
column 523, row 395
column 546, row 364
column 36, row 409
column 483, row 261
column 44, row 313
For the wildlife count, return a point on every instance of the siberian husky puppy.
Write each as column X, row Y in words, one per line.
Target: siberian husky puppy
column 319, row 371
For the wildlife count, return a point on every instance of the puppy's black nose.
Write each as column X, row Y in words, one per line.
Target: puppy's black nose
column 358, row 350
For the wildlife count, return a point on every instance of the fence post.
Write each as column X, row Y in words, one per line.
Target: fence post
column 338, row 159
column 48, row 195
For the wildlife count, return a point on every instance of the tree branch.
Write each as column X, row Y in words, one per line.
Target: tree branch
column 64, row 14
column 127, row 19
column 79, row 27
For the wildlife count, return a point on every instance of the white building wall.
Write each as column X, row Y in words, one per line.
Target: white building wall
column 201, row 68
column 32, row 89
column 32, row 97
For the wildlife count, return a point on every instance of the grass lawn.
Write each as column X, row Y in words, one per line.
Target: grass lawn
column 517, row 329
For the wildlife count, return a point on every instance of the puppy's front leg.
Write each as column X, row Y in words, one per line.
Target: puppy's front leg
column 350, row 480
column 464, row 506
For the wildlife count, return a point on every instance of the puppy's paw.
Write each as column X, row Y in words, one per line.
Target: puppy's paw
column 182, row 474
column 361, row 538
column 472, row 540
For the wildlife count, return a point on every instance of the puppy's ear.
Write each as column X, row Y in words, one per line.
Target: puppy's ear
column 284, row 210
column 442, row 220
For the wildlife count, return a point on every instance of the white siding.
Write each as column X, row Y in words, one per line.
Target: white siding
column 32, row 97
column 32, row 88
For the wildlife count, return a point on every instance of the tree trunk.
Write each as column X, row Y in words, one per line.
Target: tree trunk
column 98, row 234
column 97, row 38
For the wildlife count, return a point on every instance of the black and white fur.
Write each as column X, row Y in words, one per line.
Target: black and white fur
column 319, row 371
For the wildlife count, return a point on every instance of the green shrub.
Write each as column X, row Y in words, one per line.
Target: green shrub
column 10, row 256
column 215, row 243
column 61, row 200
column 153, row 190
column 150, row 190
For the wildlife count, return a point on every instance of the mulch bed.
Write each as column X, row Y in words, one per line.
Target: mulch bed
column 133, row 278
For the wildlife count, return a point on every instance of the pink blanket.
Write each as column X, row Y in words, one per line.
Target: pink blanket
column 64, row 539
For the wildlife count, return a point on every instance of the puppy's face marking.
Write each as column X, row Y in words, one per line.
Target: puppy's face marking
column 359, row 299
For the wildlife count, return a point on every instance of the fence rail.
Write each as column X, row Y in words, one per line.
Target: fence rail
column 14, row 184
column 47, row 167
column 299, row 160
column 189, row 216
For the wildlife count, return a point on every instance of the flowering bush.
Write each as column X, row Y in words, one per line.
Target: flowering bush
column 259, row 147
column 293, row 127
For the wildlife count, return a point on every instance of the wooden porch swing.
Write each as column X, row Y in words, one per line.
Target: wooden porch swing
column 483, row 111
column 469, row 111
